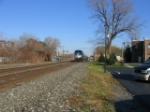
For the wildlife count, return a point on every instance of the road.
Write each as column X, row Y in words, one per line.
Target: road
column 140, row 89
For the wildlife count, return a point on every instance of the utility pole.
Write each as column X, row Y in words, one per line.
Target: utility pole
column 106, row 28
column 63, row 53
column 123, row 47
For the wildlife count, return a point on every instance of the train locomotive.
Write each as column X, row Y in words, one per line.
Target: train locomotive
column 79, row 56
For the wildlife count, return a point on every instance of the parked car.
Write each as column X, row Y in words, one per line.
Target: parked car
column 142, row 72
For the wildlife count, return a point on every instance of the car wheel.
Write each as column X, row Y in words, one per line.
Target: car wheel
column 149, row 79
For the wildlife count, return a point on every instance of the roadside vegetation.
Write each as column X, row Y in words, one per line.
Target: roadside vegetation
column 110, row 59
column 95, row 91
column 29, row 49
column 117, row 64
column 134, row 64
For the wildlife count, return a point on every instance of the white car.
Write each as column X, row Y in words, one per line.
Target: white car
column 142, row 72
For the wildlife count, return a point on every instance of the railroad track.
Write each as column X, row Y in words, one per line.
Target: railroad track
column 16, row 76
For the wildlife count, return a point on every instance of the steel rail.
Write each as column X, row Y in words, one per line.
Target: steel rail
column 17, row 69
column 17, row 78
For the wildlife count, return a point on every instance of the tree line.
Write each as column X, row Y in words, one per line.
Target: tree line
column 28, row 49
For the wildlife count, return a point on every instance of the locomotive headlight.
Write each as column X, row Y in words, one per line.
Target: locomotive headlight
column 144, row 71
column 79, row 56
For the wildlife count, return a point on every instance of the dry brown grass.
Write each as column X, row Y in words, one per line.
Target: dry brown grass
column 95, row 91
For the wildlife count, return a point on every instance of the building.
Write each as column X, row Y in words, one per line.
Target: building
column 140, row 50
column 96, row 57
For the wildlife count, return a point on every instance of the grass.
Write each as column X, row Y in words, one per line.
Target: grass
column 134, row 64
column 117, row 64
column 95, row 91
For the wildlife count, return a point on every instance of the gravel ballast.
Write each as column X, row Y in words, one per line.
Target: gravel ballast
column 49, row 93
column 45, row 94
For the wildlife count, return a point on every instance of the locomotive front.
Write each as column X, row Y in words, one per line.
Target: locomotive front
column 78, row 55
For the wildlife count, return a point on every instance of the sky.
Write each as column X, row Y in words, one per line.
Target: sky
column 67, row 20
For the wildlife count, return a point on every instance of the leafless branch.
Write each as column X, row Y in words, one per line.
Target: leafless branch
column 117, row 15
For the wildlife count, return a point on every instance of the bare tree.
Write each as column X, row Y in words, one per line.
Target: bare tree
column 7, row 50
column 19, row 43
column 22, row 41
column 52, row 44
column 16, row 49
column 114, row 49
column 134, row 35
column 117, row 15
column 33, row 51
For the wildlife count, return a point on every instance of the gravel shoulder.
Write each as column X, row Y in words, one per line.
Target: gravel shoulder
column 45, row 94
column 49, row 93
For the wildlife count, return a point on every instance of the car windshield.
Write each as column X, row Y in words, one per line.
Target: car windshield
column 147, row 61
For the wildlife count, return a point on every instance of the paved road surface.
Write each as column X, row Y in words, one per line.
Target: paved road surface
column 140, row 89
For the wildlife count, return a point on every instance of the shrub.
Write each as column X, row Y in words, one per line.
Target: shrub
column 111, row 60
column 128, row 54
column 101, row 58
